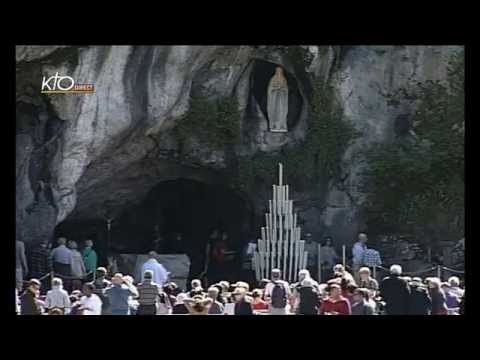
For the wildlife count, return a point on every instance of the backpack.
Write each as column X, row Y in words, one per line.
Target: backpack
column 279, row 295
column 308, row 301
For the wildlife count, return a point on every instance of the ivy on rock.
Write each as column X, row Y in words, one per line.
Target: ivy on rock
column 418, row 187
column 215, row 123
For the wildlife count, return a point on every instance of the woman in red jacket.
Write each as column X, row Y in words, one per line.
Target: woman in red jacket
column 335, row 304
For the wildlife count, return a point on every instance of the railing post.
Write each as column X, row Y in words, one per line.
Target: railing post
column 319, row 263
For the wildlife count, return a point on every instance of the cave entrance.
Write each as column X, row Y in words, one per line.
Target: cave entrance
column 183, row 207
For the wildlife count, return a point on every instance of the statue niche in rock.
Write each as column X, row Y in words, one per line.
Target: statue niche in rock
column 277, row 103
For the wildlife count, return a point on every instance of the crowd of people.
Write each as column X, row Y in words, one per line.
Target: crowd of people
column 343, row 293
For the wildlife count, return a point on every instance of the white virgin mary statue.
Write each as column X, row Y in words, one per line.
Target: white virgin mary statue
column 277, row 102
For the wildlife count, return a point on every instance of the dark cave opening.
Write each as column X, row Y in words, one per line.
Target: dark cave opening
column 261, row 75
column 183, row 206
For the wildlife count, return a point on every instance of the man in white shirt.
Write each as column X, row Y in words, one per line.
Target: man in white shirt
column 358, row 252
column 278, row 306
column 62, row 258
column 57, row 297
column 91, row 303
column 160, row 274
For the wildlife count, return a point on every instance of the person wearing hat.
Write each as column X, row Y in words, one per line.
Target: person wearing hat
column 308, row 297
column 216, row 308
column 179, row 308
column 197, row 288
column 361, row 304
column 302, row 275
column 225, row 292
column 242, row 284
column 277, row 293
column 242, row 306
column 340, row 269
column 29, row 303
column 198, row 305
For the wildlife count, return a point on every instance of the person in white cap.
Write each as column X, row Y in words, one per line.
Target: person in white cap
column 277, row 293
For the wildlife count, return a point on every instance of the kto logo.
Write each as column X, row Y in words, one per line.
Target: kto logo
column 64, row 84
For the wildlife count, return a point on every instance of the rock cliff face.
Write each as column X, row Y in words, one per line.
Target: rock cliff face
column 87, row 156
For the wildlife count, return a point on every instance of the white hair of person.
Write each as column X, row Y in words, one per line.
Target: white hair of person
column 454, row 281
column 395, row 269
column 436, row 282
column 213, row 289
column 307, row 282
column 304, row 272
column 364, row 270
column 56, row 281
column 338, row 267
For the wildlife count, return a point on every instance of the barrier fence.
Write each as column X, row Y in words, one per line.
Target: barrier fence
column 63, row 277
column 438, row 270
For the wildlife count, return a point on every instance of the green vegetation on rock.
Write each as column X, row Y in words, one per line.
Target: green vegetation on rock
column 419, row 187
column 214, row 122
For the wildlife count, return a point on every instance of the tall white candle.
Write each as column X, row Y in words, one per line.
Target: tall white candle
column 280, row 227
column 286, row 194
column 267, row 258
column 274, row 200
column 319, row 263
column 280, row 175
